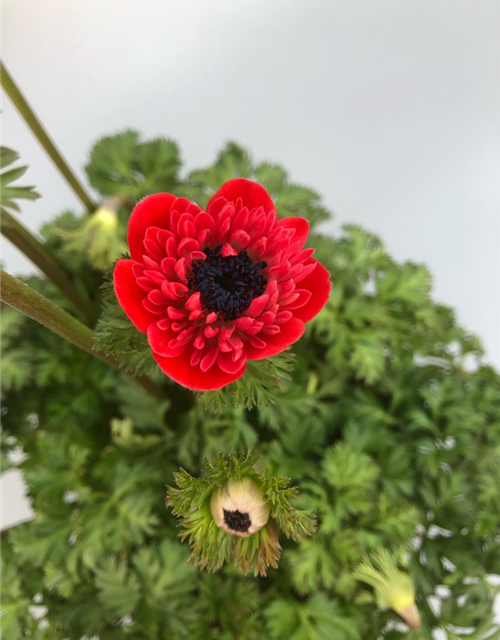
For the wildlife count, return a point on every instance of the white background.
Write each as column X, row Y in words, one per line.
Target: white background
column 389, row 108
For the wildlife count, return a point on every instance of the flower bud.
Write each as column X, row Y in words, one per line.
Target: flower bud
column 234, row 497
column 98, row 235
column 239, row 508
column 105, row 218
column 393, row 588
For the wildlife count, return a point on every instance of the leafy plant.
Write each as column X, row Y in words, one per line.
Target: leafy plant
column 393, row 442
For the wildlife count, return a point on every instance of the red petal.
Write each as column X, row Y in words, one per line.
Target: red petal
column 239, row 239
column 159, row 342
column 303, row 297
column 193, row 302
column 227, row 250
column 257, row 306
column 209, row 359
column 180, row 270
column 300, row 228
column 257, row 249
column 227, row 364
column 153, row 211
column 181, row 370
column 290, row 333
column 203, row 221
column 187, row 245
column 252, row 194
column 131, row 296
column 243, row 323
column 318, row 283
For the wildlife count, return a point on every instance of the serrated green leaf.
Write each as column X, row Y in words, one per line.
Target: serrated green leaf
column 118, row 587
column 123, row 165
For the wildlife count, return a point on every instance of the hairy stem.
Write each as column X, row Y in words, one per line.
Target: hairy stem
column 39, row 131
column 19, row 295
column 36, row 251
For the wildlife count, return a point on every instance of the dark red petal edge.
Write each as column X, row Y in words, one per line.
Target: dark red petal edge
column 181, row 371
column 130, row 295
column 153, row 211
column 318, row 283
column 299, row 225
column 290, row 333
column 251, row 194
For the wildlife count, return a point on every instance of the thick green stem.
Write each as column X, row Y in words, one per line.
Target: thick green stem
column 33, row 249
column 19, row 295
column 37, row 128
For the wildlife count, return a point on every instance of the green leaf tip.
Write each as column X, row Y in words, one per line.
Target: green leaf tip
column 9, row 194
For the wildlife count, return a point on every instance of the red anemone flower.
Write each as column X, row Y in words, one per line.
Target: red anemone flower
column 213, row 289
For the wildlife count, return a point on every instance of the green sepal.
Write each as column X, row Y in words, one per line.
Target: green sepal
column 261, row 384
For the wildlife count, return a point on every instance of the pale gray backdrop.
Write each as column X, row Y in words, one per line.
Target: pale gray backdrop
column 389, row 108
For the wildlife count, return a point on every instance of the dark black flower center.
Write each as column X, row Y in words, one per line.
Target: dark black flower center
column 227, row 284
column 237, row 521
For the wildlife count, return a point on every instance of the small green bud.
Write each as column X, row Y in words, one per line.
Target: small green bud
column 393, row 588
column 239, row 508
column 99, row 235
column 105, row 218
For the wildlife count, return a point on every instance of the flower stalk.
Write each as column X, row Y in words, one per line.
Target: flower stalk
column 19, row 295
column 36, row 251
column 29, row 116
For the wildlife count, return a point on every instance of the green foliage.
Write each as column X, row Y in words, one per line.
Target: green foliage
column 230, row 609
column 263, row 381
column 234, row 161
column 123, row 165
column 116, row 335
column 206, row 434
column 8, row 193
column 99, row 236
column 15, row 365
column 384, row 414
column 318, row 618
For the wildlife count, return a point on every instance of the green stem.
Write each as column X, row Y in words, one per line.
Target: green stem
column 39, row 131
column 19, row 295
column 33, row 249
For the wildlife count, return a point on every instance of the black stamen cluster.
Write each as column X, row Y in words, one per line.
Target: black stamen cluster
column 237, row 521
column 227, row 284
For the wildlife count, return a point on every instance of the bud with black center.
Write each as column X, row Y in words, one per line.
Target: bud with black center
column 235, row 513
column 239, row 508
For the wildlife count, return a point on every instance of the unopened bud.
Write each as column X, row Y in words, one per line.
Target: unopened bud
column 394, row 589
column 105, row 217
column 98, row 235
column 239, row 508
